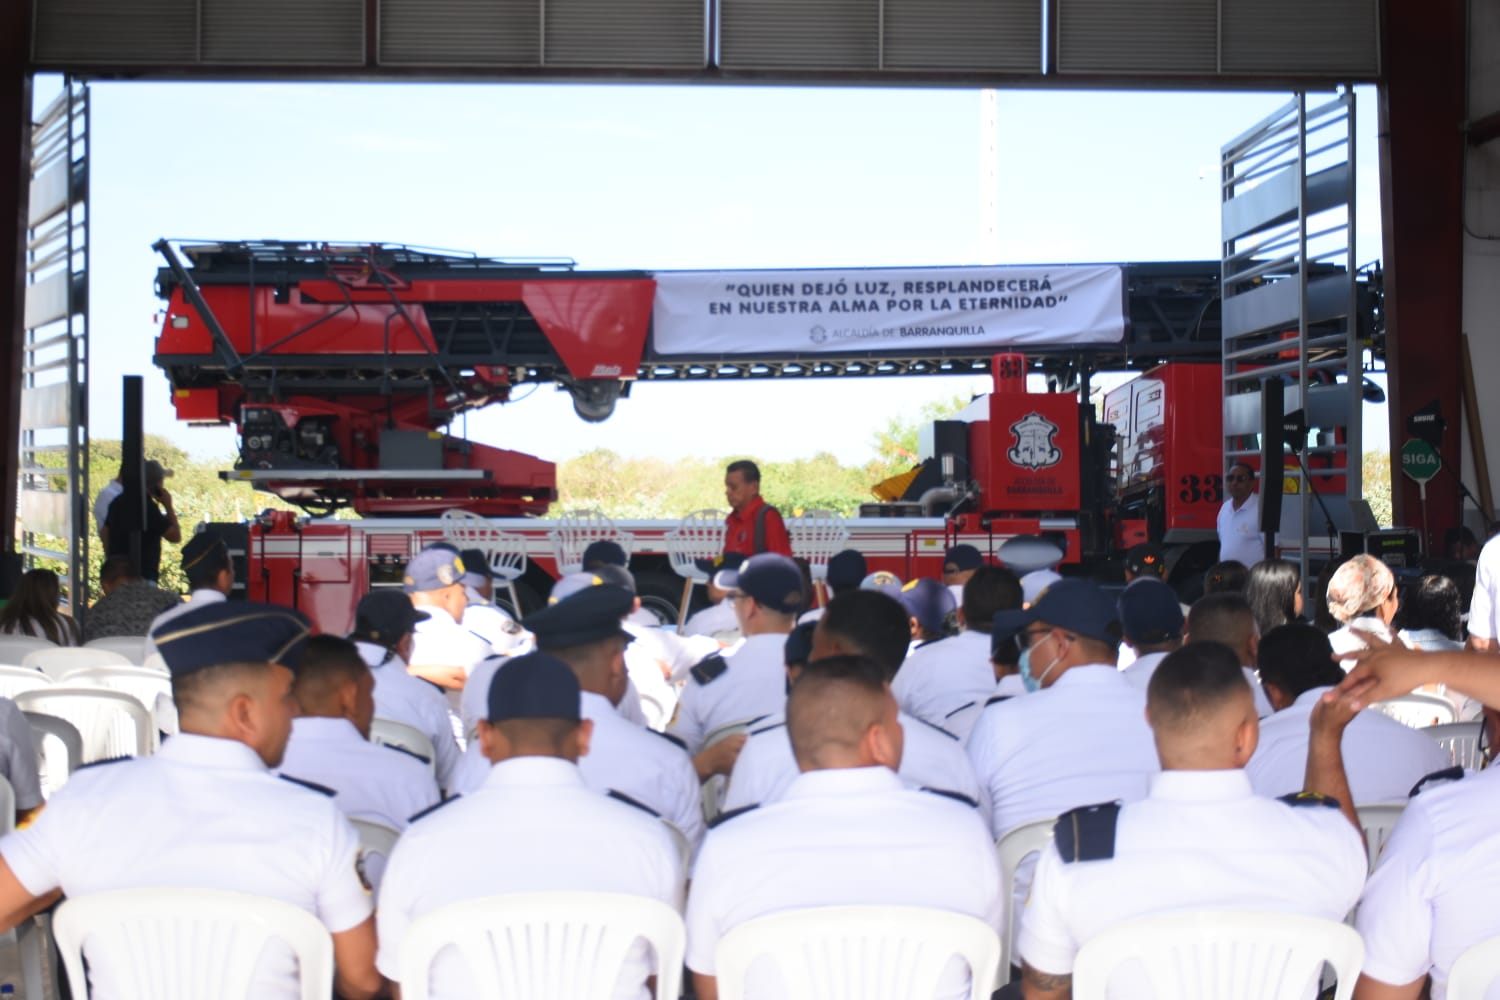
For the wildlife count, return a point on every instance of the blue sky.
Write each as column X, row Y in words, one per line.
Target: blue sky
column 654, row 177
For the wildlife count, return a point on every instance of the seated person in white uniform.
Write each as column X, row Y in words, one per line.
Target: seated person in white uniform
column 749, row 683
column 481, row 615
column 1151, row 623
column 443, row 651
column 1203, row 839
column 1385, row 760
column 330, row 744
column 863, row 623
column 206, row 811
column 932, row 611
column 717, row 618
column 210, row 576
column 534, row 826
column 846, row 831
column 384, row 624
column 1229, row 620
column 944, row 682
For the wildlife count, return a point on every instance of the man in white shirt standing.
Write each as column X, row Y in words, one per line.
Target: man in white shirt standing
column 1240, row 537
column 210, row 575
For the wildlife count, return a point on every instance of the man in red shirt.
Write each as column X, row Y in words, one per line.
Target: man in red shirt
column 753, row 526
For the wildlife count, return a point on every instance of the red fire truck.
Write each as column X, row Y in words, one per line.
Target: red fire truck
column 342, row 365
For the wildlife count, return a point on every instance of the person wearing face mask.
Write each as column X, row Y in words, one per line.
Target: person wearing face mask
column 1080, row 734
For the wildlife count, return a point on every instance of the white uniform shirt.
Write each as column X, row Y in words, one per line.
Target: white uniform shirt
column 440, row 641
column 1240, row 538
column 841, row 837
column 200, row 813
column 1201, row 840
column 18, row 761
column 931, row 758
column 534, row 826
column 376, row 783
column 1348, row 639
column 754, row 687
column 195, row 600
column 714, row 620
column 401, row 697
column 944, row 680
column 650, row 663
column 1139, row 674
column 1432, row 896
column 1484, row 608
column 474, row 703
column 106, row 496
column 1382, row 758
column 494, row 626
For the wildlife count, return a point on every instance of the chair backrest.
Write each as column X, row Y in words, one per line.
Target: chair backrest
column 60, row 660
column 1014, row 848
column 390, row 733
column 143, row 684
column 112, row 723
column 505, row 550
column 59, row 749
column 1376, row 822
column 180, row 944
column 1222, row 955
column 155, row 661
column 376, row 842
column 132, row 647
column 14, row 680
column 1474, row 971
column 699, row 535
column 817, row 535
column 859, row 952
column 1461, row 740
column 545, row 945
column 14, row 648
column 578, row 529
column 1418, row 709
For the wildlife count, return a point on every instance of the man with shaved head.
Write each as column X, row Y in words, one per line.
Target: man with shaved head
column 1229, row 620
column 845, row 832
column 1202, row 838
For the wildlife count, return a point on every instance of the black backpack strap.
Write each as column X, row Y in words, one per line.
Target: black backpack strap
column 759, row 543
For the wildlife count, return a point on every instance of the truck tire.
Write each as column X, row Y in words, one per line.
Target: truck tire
column 661, row 594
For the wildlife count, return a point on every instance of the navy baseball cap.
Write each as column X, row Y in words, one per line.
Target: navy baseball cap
column 226, row 632
column 1146, row 558
column 1071, row 604
column 386, row 614
column 846, row 570
column 1150, row 612
column 962, row 557
column 883, row 580
column 799, row 643
column 205, row 553
column 929, row 602
column 772, row 579
column 434, row 568
column 588, row 615
column 534, row 686
column 476, row 567
column 604, row 553
column 729, row 560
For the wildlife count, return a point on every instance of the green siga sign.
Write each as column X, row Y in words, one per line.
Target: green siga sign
column 1419, row 461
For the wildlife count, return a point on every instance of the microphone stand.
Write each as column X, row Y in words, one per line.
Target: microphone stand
column 1307, row 478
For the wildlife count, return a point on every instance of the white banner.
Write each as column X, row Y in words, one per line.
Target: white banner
column 904, row 311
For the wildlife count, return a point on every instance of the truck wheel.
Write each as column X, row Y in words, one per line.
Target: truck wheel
column 660, row 594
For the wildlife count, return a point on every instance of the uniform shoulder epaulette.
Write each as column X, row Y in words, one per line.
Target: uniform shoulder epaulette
column 1087, row 833
column 949, row 793
column 767, row 729
column 409, row 753
column 967, row 704
column 934, row 725
column 433, row 808
column 671, row 738
column 730, row 814
column 1442, row 777
column 1309, row 799
column 710, row 669
column 620, row 796
column 106, row 760
column 996, row 699
column 321, row 789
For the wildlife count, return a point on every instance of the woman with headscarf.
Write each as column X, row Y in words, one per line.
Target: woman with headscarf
column 1362, row 598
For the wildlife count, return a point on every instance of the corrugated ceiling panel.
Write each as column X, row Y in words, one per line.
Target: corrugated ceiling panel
column 1160, row 37
column 1332, row 37
column 460, row 32
column 799, row 34
column 964, row 35
column 114, row 31
column 643, row 33
column 325, row 32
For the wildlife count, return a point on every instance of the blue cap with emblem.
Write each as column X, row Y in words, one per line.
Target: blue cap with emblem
column 1071, row 604
column 773, row 580
column 231, row 632
column 434, row 568
column 604, row 552
column 592, row 614
column 534, row 686
column 929, row 602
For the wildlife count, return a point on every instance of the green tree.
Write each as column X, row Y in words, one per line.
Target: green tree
column 895, row 444
column 1375, row 472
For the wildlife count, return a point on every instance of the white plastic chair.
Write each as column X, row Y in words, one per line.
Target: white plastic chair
column 390, row 733
column 1014, row 848
column 376, row 841
column 1461, row 740
column 132, row 647
column 545, row 945
column 58, row 661
column 1474, row 970
column 699, row 535
column 817, row 536
column 155, row 661
column 1222, row 955
column 59, row 749
column 713, row 790
column 112, row 723
column 14, row 680
column 505, row 550
column 142, row 684
column 172, row 943
column 15, row 648
column 1376, row 822
column 859, row 952
column 578, row 529
column 1418, row 709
